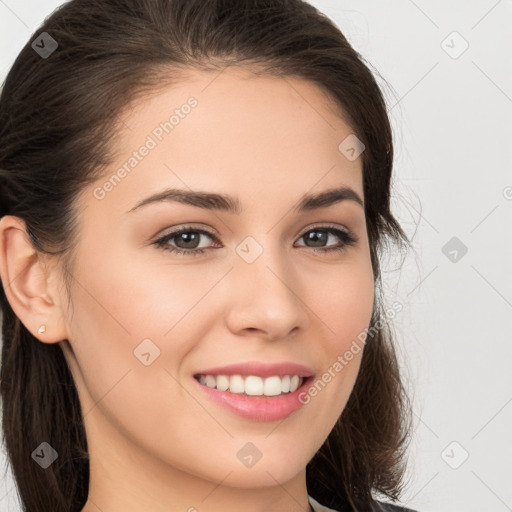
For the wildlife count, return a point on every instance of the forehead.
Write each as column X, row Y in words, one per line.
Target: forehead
column 235, row 132
column 239, row 104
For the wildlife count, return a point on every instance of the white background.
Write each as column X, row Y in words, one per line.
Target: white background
column 452, row 116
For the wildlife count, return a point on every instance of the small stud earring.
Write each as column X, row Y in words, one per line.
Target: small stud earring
column 42, row 329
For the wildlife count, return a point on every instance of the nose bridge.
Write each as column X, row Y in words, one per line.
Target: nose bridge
column 265, row 260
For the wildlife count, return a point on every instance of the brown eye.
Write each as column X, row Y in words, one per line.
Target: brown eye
column 185, row 241
column 319, row 237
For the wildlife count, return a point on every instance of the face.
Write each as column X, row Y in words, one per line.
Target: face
column 273, row 283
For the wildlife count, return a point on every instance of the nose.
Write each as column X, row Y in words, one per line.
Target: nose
column 266, row 297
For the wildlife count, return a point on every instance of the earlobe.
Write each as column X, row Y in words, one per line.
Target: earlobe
column 26, row 283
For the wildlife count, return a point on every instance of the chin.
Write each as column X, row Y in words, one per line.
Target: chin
column 270, row 469
column 265, row 477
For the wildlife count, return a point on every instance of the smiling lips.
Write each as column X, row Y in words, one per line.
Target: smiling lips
column 258, row 391
column 253, row 385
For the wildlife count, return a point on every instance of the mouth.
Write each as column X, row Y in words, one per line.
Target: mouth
column 253, row 397
column 256, row 390
column 252, row 385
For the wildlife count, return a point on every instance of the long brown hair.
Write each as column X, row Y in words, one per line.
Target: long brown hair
column 58, row 122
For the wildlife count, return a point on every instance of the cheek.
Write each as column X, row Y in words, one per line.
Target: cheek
column 343, row 302
column 135, row 299
column 131, row 313
column 119, row 306
column 344, row 307
column 352, row 311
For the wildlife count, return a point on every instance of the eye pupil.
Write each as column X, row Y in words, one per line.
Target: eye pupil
column 187, row 238
column 317, row 237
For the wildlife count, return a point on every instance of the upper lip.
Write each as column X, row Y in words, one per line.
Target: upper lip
column 260, row 369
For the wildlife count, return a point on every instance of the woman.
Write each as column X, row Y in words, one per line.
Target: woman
column 193, row 197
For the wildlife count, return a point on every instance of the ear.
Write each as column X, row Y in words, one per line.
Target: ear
column 30, row 287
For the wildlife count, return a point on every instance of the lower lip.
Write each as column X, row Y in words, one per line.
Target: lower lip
column 258, row 408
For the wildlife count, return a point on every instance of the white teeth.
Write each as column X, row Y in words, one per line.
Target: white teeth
column 272, row 386
column 222, row 382
column 236, row 384
column 253, row 385
column 211, row 381
column 285, row 384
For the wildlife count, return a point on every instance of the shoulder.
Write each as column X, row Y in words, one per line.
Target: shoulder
column 379, row 507
column 389, row 507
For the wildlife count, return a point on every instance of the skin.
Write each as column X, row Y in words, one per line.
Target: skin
column 156, row 442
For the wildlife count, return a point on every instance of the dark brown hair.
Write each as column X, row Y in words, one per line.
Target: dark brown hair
column 59, row 117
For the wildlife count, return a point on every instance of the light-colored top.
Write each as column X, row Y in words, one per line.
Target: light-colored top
column 319, row 507
column 381, row 505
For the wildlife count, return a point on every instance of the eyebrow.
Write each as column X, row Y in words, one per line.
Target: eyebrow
column 229, row 204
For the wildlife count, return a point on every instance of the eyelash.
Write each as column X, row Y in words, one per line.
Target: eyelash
column 347, row 237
